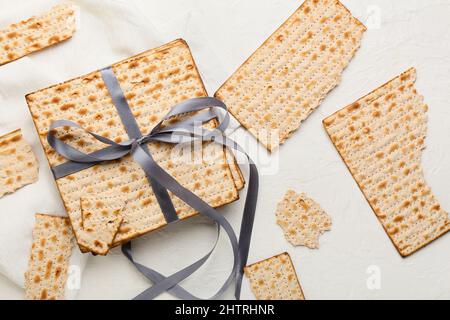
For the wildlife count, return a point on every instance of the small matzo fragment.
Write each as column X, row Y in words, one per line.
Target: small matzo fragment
column 287, row 78
column 18, row 164
column 49, row 260
column 101, row 218
column 381, row 138
column 302, row 220
column 274, row 279
column 36, row 33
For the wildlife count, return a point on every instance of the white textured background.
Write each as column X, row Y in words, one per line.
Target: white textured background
column 402, row 33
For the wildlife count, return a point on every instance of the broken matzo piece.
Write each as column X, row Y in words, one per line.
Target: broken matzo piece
column 153, row 82
column 36, row 33
column 302, row 220
column 49, row 260
column 381, row 137
column 101, row 218
column 18, row 164
column 287, row 78
column 274, row 279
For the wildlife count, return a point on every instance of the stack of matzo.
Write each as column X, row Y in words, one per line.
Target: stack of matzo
column 36, row 33
column 49, row 260
column 287, row 78
column 18, row 164
column 274, row 279
column 381, row 138
column 152, row 82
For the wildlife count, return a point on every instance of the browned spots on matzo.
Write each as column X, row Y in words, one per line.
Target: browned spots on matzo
column 67, row 106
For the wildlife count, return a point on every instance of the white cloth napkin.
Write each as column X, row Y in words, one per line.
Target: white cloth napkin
column 107, row 31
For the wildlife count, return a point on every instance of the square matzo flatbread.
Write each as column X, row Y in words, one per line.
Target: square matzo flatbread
column 274, row 279
column 36, row 33
column 18, row 164
column 381, row 137
column 287, row 78
column 152, row 82
column 49, row 260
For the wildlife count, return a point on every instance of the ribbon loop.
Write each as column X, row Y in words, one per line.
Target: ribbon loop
column 114, row 152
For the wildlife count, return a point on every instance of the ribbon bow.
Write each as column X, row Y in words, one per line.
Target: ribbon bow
column 187, row 130
column 182, row 132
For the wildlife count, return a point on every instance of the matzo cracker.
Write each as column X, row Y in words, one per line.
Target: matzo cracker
column 274, row 279
column 381, row 137
column 287, row 78
column 302, row 220
column 49, row 260
column 18, row 164
column 101, row 218
column 37, row 33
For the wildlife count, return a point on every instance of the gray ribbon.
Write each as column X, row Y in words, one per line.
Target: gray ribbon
column 188, row 130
